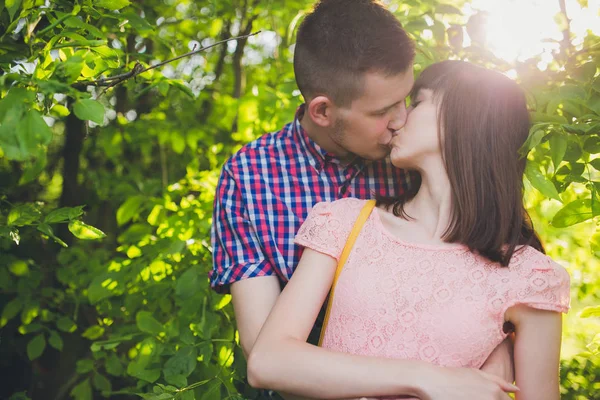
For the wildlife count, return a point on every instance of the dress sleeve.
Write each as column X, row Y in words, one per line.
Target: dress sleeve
column 540, row 283
column 328, row 225
column 237, row 253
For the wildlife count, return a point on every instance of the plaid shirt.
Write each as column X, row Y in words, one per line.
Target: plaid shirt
column 265, row 193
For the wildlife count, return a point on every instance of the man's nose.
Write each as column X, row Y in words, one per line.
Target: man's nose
column 398, row 118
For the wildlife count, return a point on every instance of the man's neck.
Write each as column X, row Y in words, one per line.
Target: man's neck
column 322, row 137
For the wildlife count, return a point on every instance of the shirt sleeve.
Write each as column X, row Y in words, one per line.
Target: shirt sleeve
column 540, row 283
column 328, row 225
column 237, row 253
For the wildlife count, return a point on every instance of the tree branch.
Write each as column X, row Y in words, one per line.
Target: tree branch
column 139, row 68
column 565, row 43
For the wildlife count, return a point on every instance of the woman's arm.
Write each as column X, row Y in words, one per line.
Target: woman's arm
column 537, row 352
column 282, row 360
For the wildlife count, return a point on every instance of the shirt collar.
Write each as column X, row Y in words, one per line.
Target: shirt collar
column 317, row 156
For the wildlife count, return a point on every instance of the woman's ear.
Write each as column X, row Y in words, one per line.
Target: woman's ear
column 321, row 111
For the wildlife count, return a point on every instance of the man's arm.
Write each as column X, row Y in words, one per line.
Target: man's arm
column 501, row 361
column 252, row 301
column 236, row 248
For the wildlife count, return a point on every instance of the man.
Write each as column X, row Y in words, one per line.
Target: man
column 353, row 66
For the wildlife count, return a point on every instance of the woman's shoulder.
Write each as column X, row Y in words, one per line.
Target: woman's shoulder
column 528, row 260
column 346, row 206
column 538, row 281
column 328, row 225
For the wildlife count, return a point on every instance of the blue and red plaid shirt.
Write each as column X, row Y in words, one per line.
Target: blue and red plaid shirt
column 265, row 193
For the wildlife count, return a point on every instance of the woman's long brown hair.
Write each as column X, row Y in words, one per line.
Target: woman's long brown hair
column 483, row 122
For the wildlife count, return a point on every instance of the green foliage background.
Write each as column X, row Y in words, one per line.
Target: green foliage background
column 106, row 192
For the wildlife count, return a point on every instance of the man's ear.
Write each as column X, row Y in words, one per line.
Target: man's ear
column 321, row 111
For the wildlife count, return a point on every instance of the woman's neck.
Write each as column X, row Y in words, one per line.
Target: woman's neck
column 431, row 206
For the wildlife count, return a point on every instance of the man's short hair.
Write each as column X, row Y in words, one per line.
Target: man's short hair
column 341, row 40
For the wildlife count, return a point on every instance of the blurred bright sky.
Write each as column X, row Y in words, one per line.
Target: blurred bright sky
column 518, row 29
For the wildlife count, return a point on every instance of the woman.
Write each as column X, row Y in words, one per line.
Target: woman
column 440, row 275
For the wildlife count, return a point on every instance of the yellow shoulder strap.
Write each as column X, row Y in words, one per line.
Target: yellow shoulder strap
column 360, row 221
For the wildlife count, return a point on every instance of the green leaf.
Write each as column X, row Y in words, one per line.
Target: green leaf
column 34, row 131
column 112, row 4
column 558, row 148
column 537, row 117
column 31, row 328
column 19, row 268
column 68, row 71
column 93, row 332
column 181, row 364
column 540, row 182
column 88, row 109
column 534, row 138
column 36, row 346
column 176, row 380
column 585, row 72
column 138, row 23
column 573, row 213
column 205, row 352
column 60, row 110
column 5, row 280
column 83, row 391
column 84, row 366
column 574, row 152
column 593, row 311
column 63, row 214
column 147, row 323
column 24, row 214
column 212, row 390
column 572, row 91
column 113, row 365
column 187, row 284
column 101, row 383
column 66, row 324
column 77, row 23
column 104, row 286
column 13, row 146
column 592, row 145
column 595, row 242
column 129, row 209
column 578, row 129
column 182, row 87
column 55, row 340
column 111, row 343
column 12, row 6
column 33, row 169
column 148, row 375
column 47, row 230
column 10, row 310
column 84, row 231
column 447, row 9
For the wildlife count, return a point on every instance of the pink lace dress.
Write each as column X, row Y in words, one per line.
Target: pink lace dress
column 444, row 305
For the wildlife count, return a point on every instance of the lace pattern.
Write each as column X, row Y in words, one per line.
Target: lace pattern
column 443, row 305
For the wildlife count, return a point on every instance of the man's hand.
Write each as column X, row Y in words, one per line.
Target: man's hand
column 501, row 361
column 466, row 384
